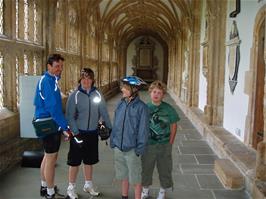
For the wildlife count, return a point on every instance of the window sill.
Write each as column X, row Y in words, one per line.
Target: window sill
column 5, row 113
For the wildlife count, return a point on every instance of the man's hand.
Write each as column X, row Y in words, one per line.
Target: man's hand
column 68, row 134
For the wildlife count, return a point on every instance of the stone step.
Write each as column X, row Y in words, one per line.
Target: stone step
column 229, row 175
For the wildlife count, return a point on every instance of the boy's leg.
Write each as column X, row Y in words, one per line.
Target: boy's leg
column 138, row 189
column 148, row 163
column 134, row 171
column 164, row 166
column 125, row 188
column 121, row 170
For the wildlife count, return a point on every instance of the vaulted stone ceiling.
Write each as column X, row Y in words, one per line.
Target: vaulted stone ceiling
column 129, row 18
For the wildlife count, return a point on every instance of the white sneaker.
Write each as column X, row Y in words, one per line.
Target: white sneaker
column 91, row 191
column 161, row 195
column 145, row 193
column 71, row 193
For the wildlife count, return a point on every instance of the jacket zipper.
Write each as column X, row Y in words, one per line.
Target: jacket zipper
column 89, row 113
column 123, row 127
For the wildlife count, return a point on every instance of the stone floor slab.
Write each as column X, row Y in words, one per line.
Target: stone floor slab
column 195, row 150
column 186, row 159
column 194, row 143
column 206, row 159
column 209, row 182
column 185, row 182
column 229, row 194
column 197, row 169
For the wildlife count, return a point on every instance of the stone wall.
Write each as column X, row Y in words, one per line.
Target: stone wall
column 12, row 146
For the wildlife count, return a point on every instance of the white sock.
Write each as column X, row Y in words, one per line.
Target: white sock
column 162, row 190
column 50, row 191
column 71, row 185
column 88, row 183
column 145, row 190
column 161, row 193
column 43, row 183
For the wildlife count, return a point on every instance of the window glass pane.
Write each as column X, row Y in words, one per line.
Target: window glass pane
column 1, row 17
column 26, row 20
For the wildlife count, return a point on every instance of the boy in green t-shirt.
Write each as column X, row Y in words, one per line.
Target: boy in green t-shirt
column 163, row 118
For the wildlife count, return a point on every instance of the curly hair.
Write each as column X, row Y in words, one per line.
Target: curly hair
column 159, row 85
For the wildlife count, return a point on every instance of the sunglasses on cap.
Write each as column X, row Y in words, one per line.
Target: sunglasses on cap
column 86, row 74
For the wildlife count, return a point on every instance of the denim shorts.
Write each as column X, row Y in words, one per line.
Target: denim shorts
column 127, row 166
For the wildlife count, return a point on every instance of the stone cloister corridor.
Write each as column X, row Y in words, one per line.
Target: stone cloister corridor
column 210, row 54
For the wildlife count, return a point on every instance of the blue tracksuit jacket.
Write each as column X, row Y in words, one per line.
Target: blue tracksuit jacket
column 48, row 101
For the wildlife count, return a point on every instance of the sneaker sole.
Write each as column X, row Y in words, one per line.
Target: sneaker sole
column 92, row 194
column 68, row 197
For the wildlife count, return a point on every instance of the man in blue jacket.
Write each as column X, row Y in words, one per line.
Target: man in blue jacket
column 129, row 135
column 48, row 103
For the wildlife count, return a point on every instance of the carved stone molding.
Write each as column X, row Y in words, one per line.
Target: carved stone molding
column 234, row 56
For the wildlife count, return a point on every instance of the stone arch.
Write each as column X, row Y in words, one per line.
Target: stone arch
column 254, row 78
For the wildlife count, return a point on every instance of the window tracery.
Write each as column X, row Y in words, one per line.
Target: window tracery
column 73, row 29
column 60, row 23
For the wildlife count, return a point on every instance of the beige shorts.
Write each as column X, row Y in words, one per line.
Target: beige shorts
column 127, row 166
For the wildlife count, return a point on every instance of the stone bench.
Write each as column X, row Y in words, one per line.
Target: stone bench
column 229, row 175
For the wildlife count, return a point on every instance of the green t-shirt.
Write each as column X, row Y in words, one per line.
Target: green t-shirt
column 161, row 117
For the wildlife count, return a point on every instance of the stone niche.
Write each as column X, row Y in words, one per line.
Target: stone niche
column 144, row 62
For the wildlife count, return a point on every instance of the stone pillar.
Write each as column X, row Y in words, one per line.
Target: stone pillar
column 261, row 161
column 216, row 58
column 261, row 148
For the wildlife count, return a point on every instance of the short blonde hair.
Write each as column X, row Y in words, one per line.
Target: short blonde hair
column 159, row 85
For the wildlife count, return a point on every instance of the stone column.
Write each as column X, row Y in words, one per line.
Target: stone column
column 216, row 56
column 261, row 148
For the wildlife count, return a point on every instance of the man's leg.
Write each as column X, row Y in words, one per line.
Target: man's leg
column 49, row 169
column 51, row 145
column 43, row 189
column 42, row 169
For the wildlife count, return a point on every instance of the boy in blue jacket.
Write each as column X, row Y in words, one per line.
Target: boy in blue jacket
column 129, row 135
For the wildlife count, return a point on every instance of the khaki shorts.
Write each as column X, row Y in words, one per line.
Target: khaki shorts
column 161, row 156
column 127, row 166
